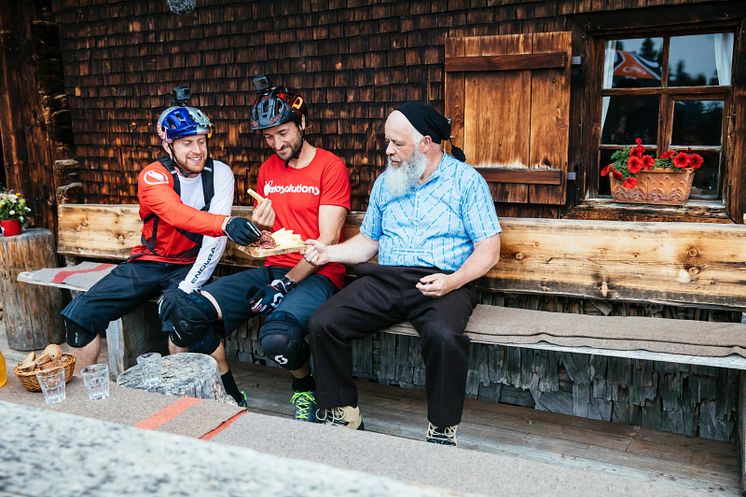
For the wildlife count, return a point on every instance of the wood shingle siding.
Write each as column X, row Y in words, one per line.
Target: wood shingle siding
column 353, row 61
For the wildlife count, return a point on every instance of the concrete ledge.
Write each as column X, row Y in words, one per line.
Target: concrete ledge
column 51, row 453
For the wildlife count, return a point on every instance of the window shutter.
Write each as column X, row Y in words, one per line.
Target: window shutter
column 509, row 98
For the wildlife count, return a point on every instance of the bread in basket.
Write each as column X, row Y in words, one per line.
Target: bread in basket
column 28, row 377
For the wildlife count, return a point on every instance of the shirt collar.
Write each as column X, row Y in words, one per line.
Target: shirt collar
column 437, row 172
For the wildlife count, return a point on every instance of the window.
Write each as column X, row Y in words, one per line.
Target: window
column 672, row 92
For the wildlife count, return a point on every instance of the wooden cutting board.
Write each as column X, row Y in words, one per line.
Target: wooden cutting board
column 261, row 253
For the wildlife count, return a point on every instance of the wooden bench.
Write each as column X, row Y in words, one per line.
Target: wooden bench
column 682, row 264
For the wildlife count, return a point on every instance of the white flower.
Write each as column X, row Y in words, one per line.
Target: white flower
column 12, row 212
column 13, row 197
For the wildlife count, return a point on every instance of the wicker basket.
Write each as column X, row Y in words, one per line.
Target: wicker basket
column 28, row 378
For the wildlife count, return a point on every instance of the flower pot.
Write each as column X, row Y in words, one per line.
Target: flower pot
column 656, row 186
column 11, row 227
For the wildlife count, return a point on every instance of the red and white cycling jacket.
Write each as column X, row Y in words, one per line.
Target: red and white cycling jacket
column 183, row 217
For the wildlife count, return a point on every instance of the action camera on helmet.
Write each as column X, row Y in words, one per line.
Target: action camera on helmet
column 261, row 84
column 182, row 94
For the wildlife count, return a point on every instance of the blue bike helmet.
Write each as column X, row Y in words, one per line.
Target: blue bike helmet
column 277, row 106
column 180, row 121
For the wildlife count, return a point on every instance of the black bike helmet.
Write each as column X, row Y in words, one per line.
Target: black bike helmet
column 277, row 106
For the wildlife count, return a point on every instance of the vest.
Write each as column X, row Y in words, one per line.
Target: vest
column 208, row 191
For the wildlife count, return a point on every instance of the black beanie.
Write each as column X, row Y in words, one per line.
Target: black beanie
column 430, row 122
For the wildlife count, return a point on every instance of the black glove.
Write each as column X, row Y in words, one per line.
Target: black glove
column 242, row 231
column 266, row 299
column 167, row 302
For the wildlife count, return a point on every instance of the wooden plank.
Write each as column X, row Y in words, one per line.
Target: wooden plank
column 675, row 263
column 644, row 262
column 741, row 431
column 454, row 92
column 522, row 176
column 97, row 230
column 498, row 132
column 515, row 62
column 736, row 132
column 550, row 117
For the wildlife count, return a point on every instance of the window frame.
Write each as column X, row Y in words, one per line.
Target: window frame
column 668, row 96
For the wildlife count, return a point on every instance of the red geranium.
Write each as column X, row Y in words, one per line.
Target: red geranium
column 635, row 164
column 629, row 183
column 681, row 160
column 695, row 161
column 628, row 162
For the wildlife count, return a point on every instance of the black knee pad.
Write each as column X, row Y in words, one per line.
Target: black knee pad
column 281, row 339
column 75, row 335
column 195, row 324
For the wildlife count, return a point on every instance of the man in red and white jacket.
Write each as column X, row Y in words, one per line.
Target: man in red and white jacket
column 185, row 204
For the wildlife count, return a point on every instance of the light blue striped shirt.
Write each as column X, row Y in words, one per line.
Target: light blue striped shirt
column 435, row 224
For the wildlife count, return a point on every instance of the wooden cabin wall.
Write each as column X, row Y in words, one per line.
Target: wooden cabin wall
column 355, row 61
column 35, row 127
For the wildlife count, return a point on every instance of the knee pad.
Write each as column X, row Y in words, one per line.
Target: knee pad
column 195, row 325
column 281, row 339
column 75, row 335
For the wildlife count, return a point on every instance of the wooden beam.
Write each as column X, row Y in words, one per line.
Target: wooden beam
column 523, row 176
column 669, row 263
column 741, row 430
column 514, row 62
column 627, row 22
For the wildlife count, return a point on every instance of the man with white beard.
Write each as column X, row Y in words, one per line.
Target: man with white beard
column 432, row 222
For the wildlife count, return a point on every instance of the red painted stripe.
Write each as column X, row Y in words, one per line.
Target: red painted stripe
column 168, row 413
column 222, row 426
column 63, row 275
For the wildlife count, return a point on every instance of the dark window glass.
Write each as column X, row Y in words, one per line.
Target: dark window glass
column 603, row 186
column 697, row 122
column 693, row 60
column 630, row 117
column 637, row 63
column 705, row 184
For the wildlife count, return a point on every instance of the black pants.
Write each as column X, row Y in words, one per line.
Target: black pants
column 126, row 287
column 381, row 297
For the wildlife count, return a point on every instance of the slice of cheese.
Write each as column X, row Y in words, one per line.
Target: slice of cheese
column 286, row 238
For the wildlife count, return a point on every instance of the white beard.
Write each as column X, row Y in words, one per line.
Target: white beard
column 400, row 179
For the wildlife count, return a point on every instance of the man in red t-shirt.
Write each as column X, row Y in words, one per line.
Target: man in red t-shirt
column 306, row 190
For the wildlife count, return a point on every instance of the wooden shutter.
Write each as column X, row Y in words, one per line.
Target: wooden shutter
column 509, row 98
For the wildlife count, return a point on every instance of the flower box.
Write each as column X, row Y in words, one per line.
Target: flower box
column 655, row 186
column 638, row 178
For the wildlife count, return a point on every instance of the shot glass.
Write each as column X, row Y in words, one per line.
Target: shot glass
column 150, row 369
column 96, row 380
column 52, row 383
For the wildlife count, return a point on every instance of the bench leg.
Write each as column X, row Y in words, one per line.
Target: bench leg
column 134, row 334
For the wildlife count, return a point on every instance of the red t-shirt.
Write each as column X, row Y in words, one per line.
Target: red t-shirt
column 296, row 195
